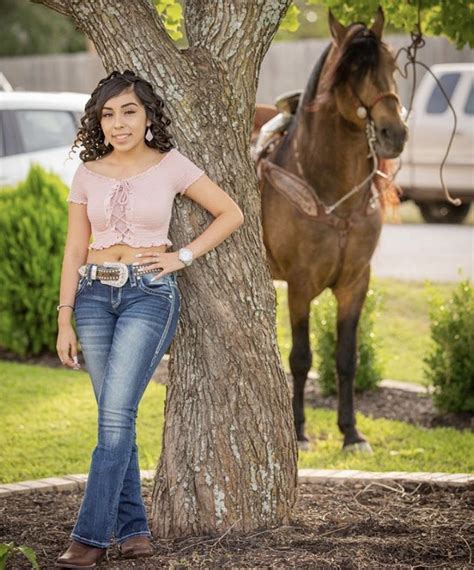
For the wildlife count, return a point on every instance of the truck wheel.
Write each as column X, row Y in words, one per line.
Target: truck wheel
column 443, row 212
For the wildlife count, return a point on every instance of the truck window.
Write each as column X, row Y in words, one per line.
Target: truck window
column 469, row 106
column 44, row 129
column 437, row 103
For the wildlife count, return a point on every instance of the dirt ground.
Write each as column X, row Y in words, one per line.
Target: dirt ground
column 337, row 526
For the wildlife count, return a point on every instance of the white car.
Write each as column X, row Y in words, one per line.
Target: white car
column 430, row 126
column 38, row 127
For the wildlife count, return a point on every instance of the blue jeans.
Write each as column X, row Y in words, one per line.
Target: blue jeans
column 124, row 332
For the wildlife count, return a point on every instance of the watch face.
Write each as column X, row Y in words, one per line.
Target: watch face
column 185, row 255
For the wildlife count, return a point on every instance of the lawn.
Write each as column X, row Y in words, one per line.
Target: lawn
column 49, row 428
column 402, row 326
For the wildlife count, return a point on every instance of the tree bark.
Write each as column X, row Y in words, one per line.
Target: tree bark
column 228, row 460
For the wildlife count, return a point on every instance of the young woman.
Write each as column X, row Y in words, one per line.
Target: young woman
column 123, row 292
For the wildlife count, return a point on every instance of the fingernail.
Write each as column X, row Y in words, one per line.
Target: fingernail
column 139, row 255
column 135, row 263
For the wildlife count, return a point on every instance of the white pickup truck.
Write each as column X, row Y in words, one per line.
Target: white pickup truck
column 431, row 123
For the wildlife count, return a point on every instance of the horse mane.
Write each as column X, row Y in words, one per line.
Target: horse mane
column 359, row 55
column 389, row 191
column 313, row 81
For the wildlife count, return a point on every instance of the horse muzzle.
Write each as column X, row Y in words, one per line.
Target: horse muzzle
column 391, row 139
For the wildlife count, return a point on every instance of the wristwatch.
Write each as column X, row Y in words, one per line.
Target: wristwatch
column 185, row 255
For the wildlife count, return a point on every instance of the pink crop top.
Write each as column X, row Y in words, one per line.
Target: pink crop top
column 136, row 210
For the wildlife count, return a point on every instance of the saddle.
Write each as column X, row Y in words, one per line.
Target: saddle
column 286, row 105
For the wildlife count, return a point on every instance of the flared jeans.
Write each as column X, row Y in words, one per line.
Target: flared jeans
column 124, row 333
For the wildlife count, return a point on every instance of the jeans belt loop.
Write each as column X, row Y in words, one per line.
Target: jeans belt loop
column 89, row 275
column 132, row 277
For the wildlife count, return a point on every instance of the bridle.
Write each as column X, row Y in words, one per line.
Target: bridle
column 363, row 112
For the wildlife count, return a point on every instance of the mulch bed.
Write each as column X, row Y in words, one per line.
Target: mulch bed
column 346, row 526
column 393, row 404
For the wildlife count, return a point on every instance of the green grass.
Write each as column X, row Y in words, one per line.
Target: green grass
column 49, row 423
column 402, row 327
column 49, row 428
column 397, row 446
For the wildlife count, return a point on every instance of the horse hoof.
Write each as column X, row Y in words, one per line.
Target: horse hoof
column 358, row 447
column 303, row 444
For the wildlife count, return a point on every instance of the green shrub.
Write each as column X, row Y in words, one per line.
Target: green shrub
column 450, row 364
column 369, row 370
column 33, row 218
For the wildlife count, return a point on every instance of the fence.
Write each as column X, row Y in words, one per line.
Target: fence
column 286, row 67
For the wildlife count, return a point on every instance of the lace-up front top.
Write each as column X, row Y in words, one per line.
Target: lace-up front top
column 136, row 210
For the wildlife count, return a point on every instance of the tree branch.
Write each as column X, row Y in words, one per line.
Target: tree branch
column 101, row 19
column 236, row 32
column 61, row 6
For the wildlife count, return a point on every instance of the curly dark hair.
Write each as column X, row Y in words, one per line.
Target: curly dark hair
column 90, row 134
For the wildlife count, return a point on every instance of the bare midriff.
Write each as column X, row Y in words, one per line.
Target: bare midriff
column 121, row 252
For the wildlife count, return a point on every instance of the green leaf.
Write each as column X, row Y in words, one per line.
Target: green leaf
column 5, row 552
column 290, row 22
column 30, row 554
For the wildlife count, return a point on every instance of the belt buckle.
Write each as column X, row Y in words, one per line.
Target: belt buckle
column 123, row 274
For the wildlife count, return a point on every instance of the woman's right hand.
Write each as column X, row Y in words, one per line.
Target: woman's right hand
column 66, row 346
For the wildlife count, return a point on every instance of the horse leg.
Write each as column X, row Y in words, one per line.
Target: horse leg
column 350, row 300
column 300, row 357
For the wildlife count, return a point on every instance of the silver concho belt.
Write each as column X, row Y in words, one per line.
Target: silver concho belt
column 114, row 273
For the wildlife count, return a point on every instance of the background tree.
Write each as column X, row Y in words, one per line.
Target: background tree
column 27, row 29
column 229, row 451
column 451, row 18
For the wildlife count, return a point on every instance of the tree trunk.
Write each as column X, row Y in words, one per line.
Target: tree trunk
column 229, row 452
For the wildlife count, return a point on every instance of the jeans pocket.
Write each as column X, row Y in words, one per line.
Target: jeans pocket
column 81, row 285
column 161, row 286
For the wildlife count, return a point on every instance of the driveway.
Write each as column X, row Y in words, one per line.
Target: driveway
column 424, row 251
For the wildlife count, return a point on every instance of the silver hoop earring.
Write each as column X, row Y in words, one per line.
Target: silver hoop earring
column 149, row 135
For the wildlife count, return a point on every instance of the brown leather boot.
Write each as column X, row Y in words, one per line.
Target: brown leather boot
column 136, row 547
column 80, row 555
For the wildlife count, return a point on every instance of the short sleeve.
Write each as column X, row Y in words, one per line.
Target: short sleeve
column 77, row 193
column 188, row 173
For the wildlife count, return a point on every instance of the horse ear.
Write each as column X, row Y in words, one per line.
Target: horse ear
column 377, row 26
column 338, row 31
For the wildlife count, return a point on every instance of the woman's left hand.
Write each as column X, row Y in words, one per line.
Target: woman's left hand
column 166, row 261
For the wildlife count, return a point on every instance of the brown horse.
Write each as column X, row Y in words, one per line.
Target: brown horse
column 346, row 121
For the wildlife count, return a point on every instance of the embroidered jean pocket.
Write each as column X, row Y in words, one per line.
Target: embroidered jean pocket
column 162, row 286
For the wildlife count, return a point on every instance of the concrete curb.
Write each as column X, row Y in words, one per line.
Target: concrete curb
column 387, row 383
column 78, row 482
